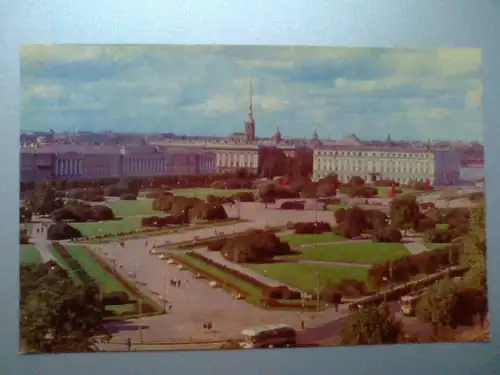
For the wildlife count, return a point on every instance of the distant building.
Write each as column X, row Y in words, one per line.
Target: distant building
column 94, row 162
column 389, row 163
column 240, row 150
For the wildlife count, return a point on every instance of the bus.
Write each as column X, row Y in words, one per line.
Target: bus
column 277, row 335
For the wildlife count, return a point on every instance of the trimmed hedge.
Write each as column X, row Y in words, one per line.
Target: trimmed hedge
column 314, row 227
column 291, row 205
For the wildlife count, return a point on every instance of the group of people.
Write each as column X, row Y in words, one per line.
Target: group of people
column 176, row 283
column 42, row 229
column 207, row 327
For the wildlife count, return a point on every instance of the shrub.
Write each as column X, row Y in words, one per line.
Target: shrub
column 128, row 197
column 244, row 197
column 387, row 234
column 362, row 191
column 62, row 231
column 217, row 244
column 116, row 298
column 290, row 205
column 253, row 246
column 23, row 236
column 312, row 227
column 424, row 224
column 326, row 190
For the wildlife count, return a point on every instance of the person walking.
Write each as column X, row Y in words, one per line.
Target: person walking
column 129, row 344
column 302, row 324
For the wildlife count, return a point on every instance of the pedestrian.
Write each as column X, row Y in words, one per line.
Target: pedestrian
column 302, row 324
column 205, row 327
column 209, row 326
column 179, row 283
column 169, row 307
column 129, row 344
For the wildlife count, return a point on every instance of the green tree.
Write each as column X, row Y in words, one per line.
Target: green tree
column 372, row 325
column 404, row 211
column 55, row 314
column 474, row 249
column 437, row 305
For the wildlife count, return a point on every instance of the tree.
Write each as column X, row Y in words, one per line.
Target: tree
column 404, row 211
column 44, row 199
column 370, row 326
column 55, row 314
column 474, row 249
column 437, row 305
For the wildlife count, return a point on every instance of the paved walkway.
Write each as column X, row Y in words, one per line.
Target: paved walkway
column 39, row 240
column 416, row 247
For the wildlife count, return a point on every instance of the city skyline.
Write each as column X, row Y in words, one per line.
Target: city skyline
column 205, row 90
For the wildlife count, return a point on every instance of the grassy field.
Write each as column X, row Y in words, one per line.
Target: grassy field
column 433, row 246
column 30, row 255
column 203, row 192
column 111, row 226
column 300, row 239
column 335, row 207
column 140, row 207
column 383, row 191
column 442, row 226
column 107, row 282
column 302, row 276
column 360, row 252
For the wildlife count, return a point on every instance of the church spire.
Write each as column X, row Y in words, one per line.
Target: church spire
column 250, row 122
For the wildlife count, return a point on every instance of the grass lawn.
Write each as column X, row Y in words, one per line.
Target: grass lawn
column 433, row 246
column 360, row 252
column 299, row 239
column 203, row 192
column 30, row 255
column 384, row 190
column 107, row 282
column 302, row 276
column 335, row 207
column 111, row 226
column 442, row 226
column 140, row 207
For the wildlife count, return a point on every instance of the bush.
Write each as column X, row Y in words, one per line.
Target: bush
column 326, row 190
column 24, row 237
column 362, row 191
column 81, row 212
column 62, row 231
column 253, row 246
column 290, row 205
column 387, row 235
column 314, row 227
column 244, row 197
column 216, row 245
column 116, row 298
column 128, row 197
column 424, row 224
column 157, row 193
column 352, row 222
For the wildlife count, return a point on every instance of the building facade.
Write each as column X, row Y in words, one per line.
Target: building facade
column 93, row 162
column 389, row 163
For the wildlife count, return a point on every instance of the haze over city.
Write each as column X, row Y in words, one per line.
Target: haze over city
column 204, row 90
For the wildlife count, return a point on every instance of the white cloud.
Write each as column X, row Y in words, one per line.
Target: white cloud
column 474, row 99
column 219, row 104
column 270, row 103
column 42, row 91
column 273, row 64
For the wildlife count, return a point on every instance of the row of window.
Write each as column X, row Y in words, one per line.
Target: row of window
column 412, row 155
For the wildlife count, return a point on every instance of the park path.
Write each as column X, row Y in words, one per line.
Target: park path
column 416, row 247
column 40, row 242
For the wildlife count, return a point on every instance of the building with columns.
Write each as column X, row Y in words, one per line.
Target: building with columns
column 89, row 162
column 402, row 165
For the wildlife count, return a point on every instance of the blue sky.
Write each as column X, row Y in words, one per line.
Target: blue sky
column 204, row 90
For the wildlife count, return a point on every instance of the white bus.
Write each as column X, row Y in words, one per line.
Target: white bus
column 277, row 335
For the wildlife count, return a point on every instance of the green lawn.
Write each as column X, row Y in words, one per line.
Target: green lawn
column 140, row 207
column 299, row 239
column 433, row 246
column 335, row 207
column 442, row 226
column 360, row 252
column 30, row 255
column 203, row 192
column 302, row 276
column 107, row 282
column 384, row 190
column 111, row 226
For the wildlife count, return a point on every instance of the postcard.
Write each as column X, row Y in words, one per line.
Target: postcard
column 211, row 197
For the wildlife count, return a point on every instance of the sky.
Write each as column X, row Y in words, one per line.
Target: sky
column 204, row 90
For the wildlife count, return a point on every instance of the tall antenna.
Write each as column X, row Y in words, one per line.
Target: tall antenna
column 250, row 108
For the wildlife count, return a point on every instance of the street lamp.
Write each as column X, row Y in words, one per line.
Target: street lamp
column 133, row 267
column 164, row 292
column 317, row 290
